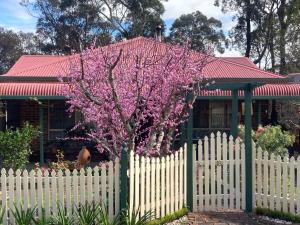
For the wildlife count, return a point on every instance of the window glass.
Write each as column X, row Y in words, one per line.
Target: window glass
column 59, row 119
column 201, row 113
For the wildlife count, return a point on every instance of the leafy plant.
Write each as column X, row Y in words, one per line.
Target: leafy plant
column 15, row 146
column 132, row 218
column 42, row 220
column 274, row 140
column 22, row 216
column 87, row 214
column 62, row 217
column 104, row 219
column 2, row 211
column 271, row 139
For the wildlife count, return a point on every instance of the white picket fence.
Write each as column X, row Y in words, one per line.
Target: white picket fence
column 68, row 189
column 158, row 184
column 277, row 182
column 219, row 177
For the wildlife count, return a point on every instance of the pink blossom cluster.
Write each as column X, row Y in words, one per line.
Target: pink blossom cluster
column 134, row 94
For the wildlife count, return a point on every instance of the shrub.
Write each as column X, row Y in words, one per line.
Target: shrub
column 15, row 146
column 274, row 140
column 23, row 216
column 271, row 139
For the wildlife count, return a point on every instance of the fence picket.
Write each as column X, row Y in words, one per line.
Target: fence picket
column 272, row 181
column 181, row 195
column 40, row 193
column 4, row 194
column 200, row 175
column 61, row 188
column 110, row 190
column 75, row 187
column 291, row 192
column 259, row 177
column 148, row 190
column 104, row 186
column 265, row 179
column 18, row 189
column 142, row 191
column 278, row 183
column 68, row 192
column 212, row 170
column 219, row 164
column 168, row 185
column 231, row 174
column 194, row 175
column 131, row 181
column 25, row 192
column 243, row 175
column 89, row 185
column 116, row 186
column 176, row 181
column 172, row 193
column 153, row 161
column 225, row 167
column 206, row 175
column 163, row 190
column 284, row 181
column 157, row 192
column 53, row 192
column 237, row 174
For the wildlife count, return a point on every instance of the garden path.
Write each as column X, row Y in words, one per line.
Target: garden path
column 225, row 218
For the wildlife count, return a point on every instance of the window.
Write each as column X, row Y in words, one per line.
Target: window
column 59, row 120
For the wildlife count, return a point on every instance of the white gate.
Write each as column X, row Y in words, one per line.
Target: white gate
column 219, row 174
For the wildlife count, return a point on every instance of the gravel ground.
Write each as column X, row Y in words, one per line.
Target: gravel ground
column 181, row 221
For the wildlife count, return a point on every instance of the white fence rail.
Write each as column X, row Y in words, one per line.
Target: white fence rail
column 158, row 183
column 69, row 189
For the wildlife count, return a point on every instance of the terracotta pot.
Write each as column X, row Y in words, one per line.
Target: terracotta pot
column 84, row 157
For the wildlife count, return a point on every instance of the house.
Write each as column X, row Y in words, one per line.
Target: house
column 30, row 91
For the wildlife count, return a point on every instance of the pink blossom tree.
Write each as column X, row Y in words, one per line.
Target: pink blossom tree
column 135, row 94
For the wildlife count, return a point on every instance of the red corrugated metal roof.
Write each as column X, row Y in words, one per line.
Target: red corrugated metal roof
column 54, row 89
column 227, row 67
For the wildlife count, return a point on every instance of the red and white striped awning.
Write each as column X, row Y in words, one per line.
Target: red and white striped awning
column 289, row 89
column 30, row 89
column 54, row 89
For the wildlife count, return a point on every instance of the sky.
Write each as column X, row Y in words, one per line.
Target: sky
column 15, row 17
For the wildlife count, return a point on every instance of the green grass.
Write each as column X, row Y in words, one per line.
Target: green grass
column 170, row 217
column 278, row 215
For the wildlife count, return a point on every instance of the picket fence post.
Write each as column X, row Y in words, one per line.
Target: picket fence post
column 123, row 178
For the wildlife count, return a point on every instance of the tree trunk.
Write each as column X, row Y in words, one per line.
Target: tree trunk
column 282, row 33
column 248, row 29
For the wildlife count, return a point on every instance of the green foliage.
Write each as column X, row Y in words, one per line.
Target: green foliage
column 87, row 214
column 42, row 220
column 15, row 146
column 103, row 218
column 170, row 217
column 271, row 139
column 132, row 218
column 22, row 216
column 62, row 217
column 199, row 30
column 278, row 215
column 1, row 215
column 274, row 140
